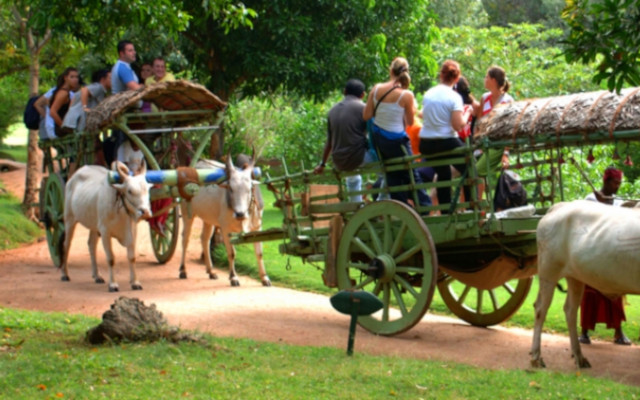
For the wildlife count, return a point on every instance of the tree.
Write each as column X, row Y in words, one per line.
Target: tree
column 308, row 49
column 605, row 31
column 452, row 13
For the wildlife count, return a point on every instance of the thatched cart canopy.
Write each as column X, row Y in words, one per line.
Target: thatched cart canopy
column 169, row 96
column 555, row 117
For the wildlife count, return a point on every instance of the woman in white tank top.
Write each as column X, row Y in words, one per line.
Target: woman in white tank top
column 391, row 105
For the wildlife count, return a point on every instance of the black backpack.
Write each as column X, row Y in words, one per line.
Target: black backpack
column 509, row 192
column 31, row 115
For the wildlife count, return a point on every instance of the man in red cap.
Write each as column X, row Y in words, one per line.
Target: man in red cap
column 596, row 307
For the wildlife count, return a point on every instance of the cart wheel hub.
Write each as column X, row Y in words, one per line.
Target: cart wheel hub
column 383, row 267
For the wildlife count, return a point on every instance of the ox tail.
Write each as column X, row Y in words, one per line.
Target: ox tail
column 60, row 246
column 560, row 288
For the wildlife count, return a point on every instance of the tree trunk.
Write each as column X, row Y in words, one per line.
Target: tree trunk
column 34, row 157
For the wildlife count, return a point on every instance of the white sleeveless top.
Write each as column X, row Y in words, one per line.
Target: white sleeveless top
column 389, row 116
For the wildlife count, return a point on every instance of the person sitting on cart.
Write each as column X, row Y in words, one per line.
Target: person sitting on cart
column 89, row 97
column 595, row 306
column 347, row 137
column 390, row 109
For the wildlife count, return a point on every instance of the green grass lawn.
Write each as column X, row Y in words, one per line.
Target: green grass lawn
column 15, row 144
column 15, row 228
column 44, row 356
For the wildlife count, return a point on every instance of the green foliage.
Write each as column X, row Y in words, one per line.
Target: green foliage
column 527, row 52
column 282, row 127
column 15, row 228
column 605, row 31
column 308, row 48
column 505, row 12
column 14, row 95
column 43, row 357
column 452, row 13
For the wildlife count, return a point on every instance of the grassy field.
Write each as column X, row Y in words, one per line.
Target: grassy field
column 44, row 356
column 15, row 228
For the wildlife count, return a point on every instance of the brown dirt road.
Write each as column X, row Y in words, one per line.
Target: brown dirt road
column 29, row 281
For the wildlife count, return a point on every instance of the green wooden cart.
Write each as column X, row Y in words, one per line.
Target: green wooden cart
column 173, row 137
column 481, row 261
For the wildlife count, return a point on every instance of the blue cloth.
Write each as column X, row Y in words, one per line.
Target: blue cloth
column 121, row 74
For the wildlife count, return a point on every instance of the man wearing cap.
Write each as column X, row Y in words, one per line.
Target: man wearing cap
column 596, row 307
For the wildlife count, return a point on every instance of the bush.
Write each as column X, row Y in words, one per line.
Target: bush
column 14, row 95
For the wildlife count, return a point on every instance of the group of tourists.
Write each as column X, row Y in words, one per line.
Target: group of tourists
column 63, row 108
column 448, row 112
column 388, row 125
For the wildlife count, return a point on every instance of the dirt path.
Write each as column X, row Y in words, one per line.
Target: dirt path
column 29, row 281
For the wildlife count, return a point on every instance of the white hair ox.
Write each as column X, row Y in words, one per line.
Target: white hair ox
column 234, row 206
column 587, row 243
column 108, row 211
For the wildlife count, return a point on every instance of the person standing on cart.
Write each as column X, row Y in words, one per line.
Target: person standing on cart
column 347, row 137
column 595, row 306
column 123, row 78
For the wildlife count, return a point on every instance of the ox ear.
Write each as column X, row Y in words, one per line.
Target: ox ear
column 142, row 169
column 224, row 185
column 122, row 170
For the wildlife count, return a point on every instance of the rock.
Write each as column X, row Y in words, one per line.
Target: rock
column 132, row 321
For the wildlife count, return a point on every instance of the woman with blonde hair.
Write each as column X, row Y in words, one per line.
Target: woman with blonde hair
column 390, row 107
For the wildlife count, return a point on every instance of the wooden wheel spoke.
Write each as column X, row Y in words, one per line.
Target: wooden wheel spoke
column 386, row 238
column 480, row 295
column 410, row 252
column 358, row 266
column 508, row 288
column 362, row 246
column 386, row 301
column 377, row 288
column 374, row 238
column 364, row 283
column 399, row 300
column 406, row 285
column 409, row 269
column 494, row 301
column 463, row 295
column 397, row 243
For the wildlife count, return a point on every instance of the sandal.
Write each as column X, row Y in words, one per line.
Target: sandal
column 584, row 339
column 623, row 340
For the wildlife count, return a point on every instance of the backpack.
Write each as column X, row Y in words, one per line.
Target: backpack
column 509, row 192
column 31, row 115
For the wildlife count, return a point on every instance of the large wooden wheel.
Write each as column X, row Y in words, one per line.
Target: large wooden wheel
column 52, row 214
column 165, row 245
column 387, row 250
column 482, row 307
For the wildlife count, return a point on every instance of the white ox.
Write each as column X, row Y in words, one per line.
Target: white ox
column 233, row 207
column 107, row 210
column 587, row 243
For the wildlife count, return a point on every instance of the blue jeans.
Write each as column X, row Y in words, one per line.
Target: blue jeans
column 392, row 148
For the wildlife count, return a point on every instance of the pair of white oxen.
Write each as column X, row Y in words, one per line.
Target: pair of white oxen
column 114, row 210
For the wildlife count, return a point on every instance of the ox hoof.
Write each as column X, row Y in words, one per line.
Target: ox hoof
column 99, row 280
column 213, row 276
column 113, row 288
column 539, row 363
column 183, row 275
column 266, row 282
column 65, row 278
column 235, row 282
column 136, row 286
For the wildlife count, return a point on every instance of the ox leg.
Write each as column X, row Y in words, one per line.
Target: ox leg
column 69, row 229
column 257, row 246
column 575, row 290
column 106, row 243
column 93, row 244
column 186, row 231
column 231, row 256
column 205, row 239
column 131, row 257
column 541, row 306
